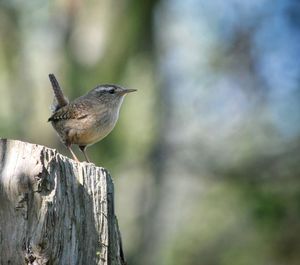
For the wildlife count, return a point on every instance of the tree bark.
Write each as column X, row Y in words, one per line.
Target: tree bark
column 54, row 210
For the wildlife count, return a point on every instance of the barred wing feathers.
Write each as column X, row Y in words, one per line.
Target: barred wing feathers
column 75, row 110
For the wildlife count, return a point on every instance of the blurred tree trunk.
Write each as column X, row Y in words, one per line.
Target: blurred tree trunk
column 54, row 210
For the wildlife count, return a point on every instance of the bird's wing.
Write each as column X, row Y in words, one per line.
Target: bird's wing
column 74, row 110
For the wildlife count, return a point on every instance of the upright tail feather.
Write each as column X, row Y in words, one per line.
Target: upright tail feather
column 59, row 99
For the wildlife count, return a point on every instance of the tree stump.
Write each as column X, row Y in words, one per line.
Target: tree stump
column 54, row 210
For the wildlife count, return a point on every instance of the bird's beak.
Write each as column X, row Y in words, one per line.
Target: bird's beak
column 126, row 91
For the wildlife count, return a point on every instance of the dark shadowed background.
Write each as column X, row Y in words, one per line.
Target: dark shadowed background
column 205, row 157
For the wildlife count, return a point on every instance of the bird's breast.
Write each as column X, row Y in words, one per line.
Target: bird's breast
column 96, row 129
column 87, row 130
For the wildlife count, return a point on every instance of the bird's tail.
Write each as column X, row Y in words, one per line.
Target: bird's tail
column 59, row 99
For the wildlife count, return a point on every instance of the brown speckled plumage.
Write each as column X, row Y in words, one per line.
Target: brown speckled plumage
column 89, row 118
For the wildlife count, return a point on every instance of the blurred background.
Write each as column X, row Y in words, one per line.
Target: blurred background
column 205, row 157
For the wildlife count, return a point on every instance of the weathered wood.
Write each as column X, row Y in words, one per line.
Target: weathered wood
column 54, row 210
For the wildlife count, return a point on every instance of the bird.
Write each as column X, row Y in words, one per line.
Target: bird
column 87, row 119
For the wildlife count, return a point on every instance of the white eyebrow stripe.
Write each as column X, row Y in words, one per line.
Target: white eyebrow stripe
column 98, row 89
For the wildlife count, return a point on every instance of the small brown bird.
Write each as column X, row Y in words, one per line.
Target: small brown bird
column 87, row 119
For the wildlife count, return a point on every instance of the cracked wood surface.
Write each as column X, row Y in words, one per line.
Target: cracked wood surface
column 54, row 210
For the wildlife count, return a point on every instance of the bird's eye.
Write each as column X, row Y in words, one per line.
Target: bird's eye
column 111, row 91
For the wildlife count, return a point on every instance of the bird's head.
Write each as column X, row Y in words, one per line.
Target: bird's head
column 110, row 94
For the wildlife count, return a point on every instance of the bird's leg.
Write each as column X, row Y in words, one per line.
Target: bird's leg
column 71, row 151
column 82, row 148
